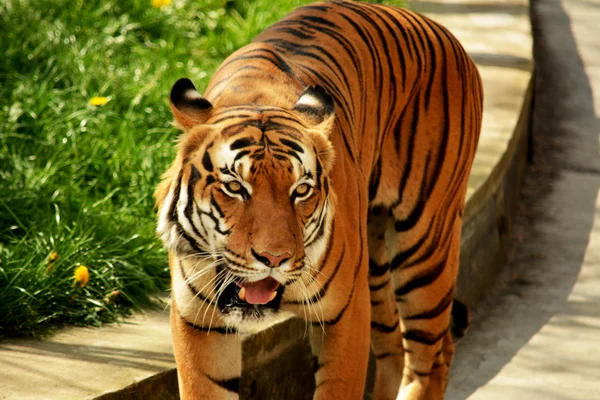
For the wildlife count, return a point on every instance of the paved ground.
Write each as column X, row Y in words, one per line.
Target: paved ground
column 81, row 362
column 538, row 336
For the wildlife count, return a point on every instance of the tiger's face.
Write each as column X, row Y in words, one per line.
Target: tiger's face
column 249, row 208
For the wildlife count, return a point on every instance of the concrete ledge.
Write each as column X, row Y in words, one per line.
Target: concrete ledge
column 489, row 214
column 162, row 386
column 135, row 361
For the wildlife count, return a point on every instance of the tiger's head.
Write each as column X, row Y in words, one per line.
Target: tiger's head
column 247, row 205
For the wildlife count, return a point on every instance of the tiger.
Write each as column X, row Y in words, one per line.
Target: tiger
column 323, row 176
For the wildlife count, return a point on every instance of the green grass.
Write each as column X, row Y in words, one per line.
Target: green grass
column 77, row 179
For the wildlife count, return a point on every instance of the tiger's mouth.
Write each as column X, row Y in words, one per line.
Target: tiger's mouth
column 251, row 297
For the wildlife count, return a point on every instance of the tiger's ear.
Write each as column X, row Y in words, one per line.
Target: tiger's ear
column 188, row 106
column 316, row 107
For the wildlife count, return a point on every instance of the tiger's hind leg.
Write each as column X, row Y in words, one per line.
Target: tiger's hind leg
column 386, row 337
column 424, row 275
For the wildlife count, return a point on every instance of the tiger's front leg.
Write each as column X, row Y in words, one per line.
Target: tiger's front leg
column 342, row 349
column 209, row 364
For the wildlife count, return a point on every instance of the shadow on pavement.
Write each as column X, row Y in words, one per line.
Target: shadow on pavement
column 142, row 360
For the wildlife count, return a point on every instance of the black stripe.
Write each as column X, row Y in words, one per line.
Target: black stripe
column 423, row 337
column 231, row 384
column 386, row 355
column 194, row 291
column 235, row 263
column 374, row 179
column 174, row 218
column 400, row 48
column 237, row 128
column 384, row 328
column 421, row 279
column 283, row 129
column 241, row 154
column 188, row 212
column 297, row 33
column 215, row 220
column 356, row 270
column 412, row 219
column 342, row 40
column 276, row 60
column 418, row 34
column 319, row 228
column 325, row 286
column 430, row 56
column 241, row 143
column 337, row 318
column 176, row 193
column 331, row 87
column 230, row 116
column 443, row 147
column 382, row 56
column 214, row 203
column 317, row 7
column 292, row 144
column 216, row 329
column 320, row 232
column 409, row 151
column 420, row 373
column 319, row 169
column 228, row 250
column 438, row 229
column 400, row 258
column 442, row 305
column 376, row 270
column 319, row 20
column 206, row 162
column 288, row 153
column 373, row 288
column 195, row 176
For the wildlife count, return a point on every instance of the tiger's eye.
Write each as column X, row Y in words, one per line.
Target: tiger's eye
column 302, row 189
column 234, row 186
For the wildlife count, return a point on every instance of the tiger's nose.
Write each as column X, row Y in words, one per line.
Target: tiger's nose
column 271, row 260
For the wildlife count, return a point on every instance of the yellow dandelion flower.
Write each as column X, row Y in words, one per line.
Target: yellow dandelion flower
column 81, row 275
column 161, row 3
column 53, row 256
column 98, row 101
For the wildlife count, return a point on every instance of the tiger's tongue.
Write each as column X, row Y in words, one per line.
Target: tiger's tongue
column 260, row 292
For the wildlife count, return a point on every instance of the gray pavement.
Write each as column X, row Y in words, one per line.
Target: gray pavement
column 80, row 363
column 538, row 335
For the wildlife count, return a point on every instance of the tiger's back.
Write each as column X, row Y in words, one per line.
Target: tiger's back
column 408, row 107
column 374, row 60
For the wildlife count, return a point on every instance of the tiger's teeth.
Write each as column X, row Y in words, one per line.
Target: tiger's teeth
column 273, row 295
column 242, row 294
